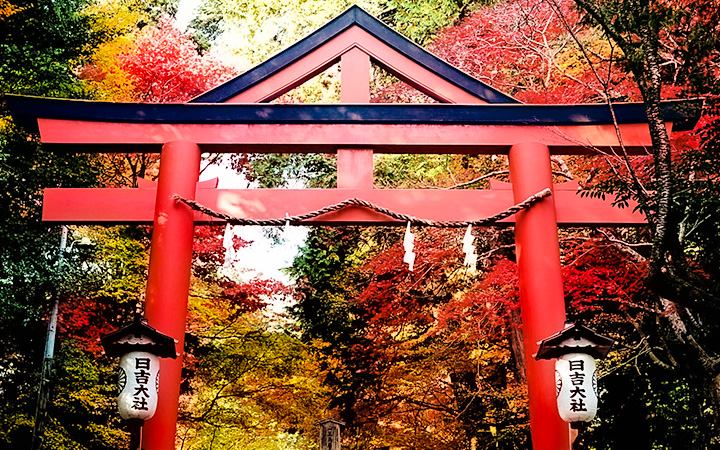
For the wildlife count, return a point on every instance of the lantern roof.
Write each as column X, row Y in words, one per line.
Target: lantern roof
column 574, row 338
column 138, row 336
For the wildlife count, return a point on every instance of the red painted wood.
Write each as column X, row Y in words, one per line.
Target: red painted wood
column 412, row 73
column 294, row 75
column 169, row 279
column 427, row 138
column 137, row 205
column 355, row 77
column 409, row 71
column 355, row 168
column 542, row 304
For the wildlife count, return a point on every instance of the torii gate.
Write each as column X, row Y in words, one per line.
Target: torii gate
column 473, row 118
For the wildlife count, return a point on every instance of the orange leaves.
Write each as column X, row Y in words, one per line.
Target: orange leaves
column 432, row 362
column 7, row 9
column 238, row 296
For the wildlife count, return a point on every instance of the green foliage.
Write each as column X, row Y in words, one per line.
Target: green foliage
column 437, row 171
column 29, row 271
column 84, row 410
column 83, row 415
column 16, row 429
column 39, row 64
column 253, row 384
column 41, row 45
column 419, row 21
column 121, row 258
column 697, row 198
column 272, row 170
column 321, row 268
column 648, row 409
column 268, row 27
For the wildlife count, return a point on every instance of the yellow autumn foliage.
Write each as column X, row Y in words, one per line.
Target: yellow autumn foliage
column 117, row 19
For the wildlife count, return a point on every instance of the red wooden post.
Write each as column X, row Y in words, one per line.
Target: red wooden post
column 169, row 279
column 542, row 304
column 355, row 166
column 355, row 76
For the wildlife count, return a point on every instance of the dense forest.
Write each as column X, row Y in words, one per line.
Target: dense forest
column 423, row 359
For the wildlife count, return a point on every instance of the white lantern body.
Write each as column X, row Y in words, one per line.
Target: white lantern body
column 576, row 383
column 138, row 385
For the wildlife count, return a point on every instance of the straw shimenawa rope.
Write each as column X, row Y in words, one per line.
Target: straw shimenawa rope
column 403, row 218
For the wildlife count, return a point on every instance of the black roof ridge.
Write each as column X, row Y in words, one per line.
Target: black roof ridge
column 25, row 110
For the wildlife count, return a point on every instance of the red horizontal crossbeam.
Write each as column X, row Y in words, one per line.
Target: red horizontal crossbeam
column 117, row 205
column 382, row 138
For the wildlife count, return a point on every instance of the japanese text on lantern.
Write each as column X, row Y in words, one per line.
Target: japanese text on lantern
column 577, row 392
column 142, row 377
column 138, row 385
column 576, row 387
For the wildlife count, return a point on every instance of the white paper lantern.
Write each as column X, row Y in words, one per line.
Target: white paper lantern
column 576, row 383
column 138, row 385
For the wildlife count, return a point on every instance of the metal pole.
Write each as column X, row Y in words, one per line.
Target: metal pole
column 136, row 426
column 44, row 390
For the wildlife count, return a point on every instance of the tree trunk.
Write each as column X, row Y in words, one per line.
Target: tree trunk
column 669, row 276
column 516, row 345
column 650, row 86
column 715, row 398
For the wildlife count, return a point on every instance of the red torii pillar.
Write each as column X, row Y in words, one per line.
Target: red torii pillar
column 169, row 279
column 542, row 301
